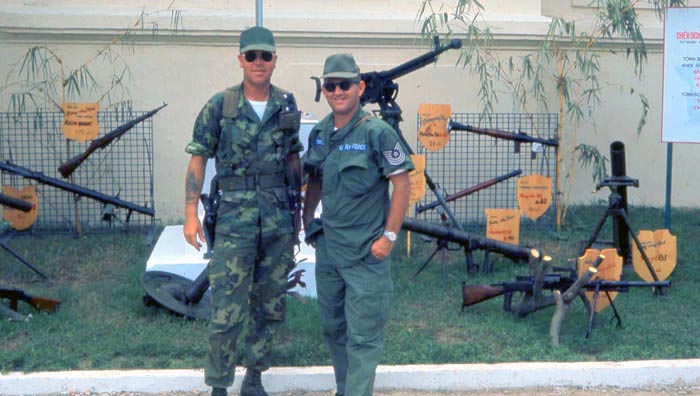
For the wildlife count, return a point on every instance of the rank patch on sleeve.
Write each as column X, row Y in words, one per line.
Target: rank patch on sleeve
column 396, row 156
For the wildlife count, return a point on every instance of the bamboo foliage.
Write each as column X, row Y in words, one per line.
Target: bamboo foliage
column 561, row 74
column 42, row 80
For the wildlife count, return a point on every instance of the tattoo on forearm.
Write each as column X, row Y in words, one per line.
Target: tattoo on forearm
column 193, row 188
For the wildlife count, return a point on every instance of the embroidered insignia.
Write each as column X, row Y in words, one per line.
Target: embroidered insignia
column 396, row 156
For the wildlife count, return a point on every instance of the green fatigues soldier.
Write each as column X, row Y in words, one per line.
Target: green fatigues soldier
column 350, row 161
column 257, row 164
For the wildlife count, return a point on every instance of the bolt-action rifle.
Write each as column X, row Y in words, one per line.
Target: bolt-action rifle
column 67, row 168
column 468, row 191
column 75, row 189
column 518, row 137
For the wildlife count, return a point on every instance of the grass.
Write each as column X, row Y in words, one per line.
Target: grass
column 102, row 323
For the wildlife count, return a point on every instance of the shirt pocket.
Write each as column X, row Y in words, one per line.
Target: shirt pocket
column 355, row 176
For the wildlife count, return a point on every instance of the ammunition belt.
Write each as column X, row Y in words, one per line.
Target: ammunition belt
column 251, row 182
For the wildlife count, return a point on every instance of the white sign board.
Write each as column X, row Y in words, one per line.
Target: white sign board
column 681, row 82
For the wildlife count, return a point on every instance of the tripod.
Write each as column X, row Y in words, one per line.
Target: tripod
column 622, row 226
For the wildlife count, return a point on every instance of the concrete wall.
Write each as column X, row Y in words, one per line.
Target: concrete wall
column 186, row 66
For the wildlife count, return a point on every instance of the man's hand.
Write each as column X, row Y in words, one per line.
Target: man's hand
column 381, row 248
column 193, row 231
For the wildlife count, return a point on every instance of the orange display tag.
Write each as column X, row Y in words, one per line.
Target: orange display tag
column 80, row 121
column 534, row 195
column 503, row 225
column 417, row 177
column 433, row 134
column 610, row 269
column 19, row 220
column 660, row 247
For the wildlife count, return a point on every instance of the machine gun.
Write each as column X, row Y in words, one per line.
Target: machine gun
column 564, row 290
column 68, row 167
column 39, row 303
column 381, row 89
column 468, row 191
column 75, row 189
column 518, row 138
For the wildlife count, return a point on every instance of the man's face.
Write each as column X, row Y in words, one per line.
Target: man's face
column 343, row 101
column 257, row 66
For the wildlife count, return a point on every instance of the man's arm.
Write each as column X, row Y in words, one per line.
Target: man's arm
column 381, row 248
column 312, row 197
column 194, row 179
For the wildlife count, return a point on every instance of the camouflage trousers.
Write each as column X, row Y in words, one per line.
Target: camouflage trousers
column 248, row 276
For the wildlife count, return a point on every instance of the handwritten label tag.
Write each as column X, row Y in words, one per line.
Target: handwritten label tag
column 534, row 195
column 660, row 247
column 610, row 269
column 80, row 121
column 503, row 225
column 19, row 220
column 433, row 134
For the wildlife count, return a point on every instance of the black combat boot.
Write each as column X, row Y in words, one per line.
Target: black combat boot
column 252, row 384
column 218, row 391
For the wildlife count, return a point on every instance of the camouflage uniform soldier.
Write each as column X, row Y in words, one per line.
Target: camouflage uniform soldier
column 351, row 160
column 254, row 136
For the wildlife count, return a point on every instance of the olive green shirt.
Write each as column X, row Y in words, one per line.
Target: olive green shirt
column 353, row 164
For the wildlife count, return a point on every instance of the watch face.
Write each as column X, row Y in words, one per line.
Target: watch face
column 391, row 236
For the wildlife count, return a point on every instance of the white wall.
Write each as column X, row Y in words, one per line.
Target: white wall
column 185, row 67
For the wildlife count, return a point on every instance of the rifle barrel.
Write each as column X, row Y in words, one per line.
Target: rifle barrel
column 419, row 62
column 70, row 187
column 15, row 203
column 68, row 167
column 469, row 190
column 499, row 134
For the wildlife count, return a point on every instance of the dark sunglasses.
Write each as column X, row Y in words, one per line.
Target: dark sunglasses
column 344, row 85
column 251, row 56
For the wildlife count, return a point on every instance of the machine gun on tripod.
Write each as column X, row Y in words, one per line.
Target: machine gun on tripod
column 381, row 89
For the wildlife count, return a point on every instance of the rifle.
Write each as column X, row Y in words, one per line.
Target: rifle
column 518, row 138
column 468, row 191
column 75, row 189
column 15, row 203
column 474, row 294
column 67, row 168
column 39, row 303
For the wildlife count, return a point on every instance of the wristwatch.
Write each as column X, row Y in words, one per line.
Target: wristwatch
column 391, row 236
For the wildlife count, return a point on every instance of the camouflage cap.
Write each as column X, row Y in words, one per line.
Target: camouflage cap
column 257, row 38
column 341, row 66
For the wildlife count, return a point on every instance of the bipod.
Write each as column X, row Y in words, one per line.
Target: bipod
column 592, row 315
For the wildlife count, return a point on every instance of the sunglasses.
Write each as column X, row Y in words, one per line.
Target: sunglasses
column 344, row 85
column 251, row 56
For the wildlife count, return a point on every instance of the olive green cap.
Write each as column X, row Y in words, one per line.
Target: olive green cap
column 341, row 66
column 257, row 38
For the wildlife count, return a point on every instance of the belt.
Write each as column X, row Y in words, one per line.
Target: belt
column 250, row 182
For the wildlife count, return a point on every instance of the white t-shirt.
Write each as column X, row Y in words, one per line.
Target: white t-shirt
column 259, row 107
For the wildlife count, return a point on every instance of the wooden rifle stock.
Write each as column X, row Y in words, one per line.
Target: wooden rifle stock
column 39, row 303
column 68, row 167
column 474, row 294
